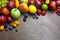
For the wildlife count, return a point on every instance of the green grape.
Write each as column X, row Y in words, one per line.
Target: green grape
column 0, row 2
column 3, row 3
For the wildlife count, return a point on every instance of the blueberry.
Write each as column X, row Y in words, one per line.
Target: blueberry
column 6, row 25
column 25, row 16
column 24, row 19
column 10, row 28
column 37, row 17
column 6, row 29
column 33, row 17
column 16, row 30
column 58, row 14
column 10, row 24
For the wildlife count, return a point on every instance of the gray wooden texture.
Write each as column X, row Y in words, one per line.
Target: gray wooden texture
column 45, row 28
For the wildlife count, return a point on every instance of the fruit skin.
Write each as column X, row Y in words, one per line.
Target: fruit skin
column 17, row 22
column 23, row 1
column 58, row 11
column 6, row 29
column 47, row 1
column 44, row 7
column 1, row 27
column 32, row 9
column 5, row 11
column 6, row 25
column 38, row 12
column 15, row 13
column 36, row 16
column 9, row 19
column 38, row 3
column 31, row 2
column 14, row 25
column 2, row 20
column 11, row 5
column 16, row 30
column 58, row 14
column 52, row 5
column 17, row 3
column 23, row 7
column 3, row 3
column 58, row 3
column 43, row 13
column 10, row 28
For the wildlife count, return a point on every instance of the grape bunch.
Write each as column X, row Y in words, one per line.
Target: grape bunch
column 3, row 3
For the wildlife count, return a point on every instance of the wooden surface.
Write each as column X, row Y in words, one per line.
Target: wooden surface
column 45, row 28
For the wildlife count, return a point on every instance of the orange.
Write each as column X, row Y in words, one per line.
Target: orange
column 14, row 25
column 17, row 22
column 2, row 27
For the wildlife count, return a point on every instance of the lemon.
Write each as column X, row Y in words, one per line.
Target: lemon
column 32, row 9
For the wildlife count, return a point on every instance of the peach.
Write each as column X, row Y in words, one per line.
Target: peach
column 23, row 7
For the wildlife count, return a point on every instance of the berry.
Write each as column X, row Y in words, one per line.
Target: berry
column 38, row 12
column 5, row 25
column 58, row 14
column 25, row 16
column 6, row 29
column 16, row 30
column 33, row 17
column 24, row 19
column 43, row 13
column 37, row 17
column 10, row 27
column 3, row 3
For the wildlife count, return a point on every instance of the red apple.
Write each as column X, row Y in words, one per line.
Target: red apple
column 38, row 12
column 58, row 10
column 38, row 3
column 2, row 20
column 43, row 13
column 31, row 2
column 5, row 11
column 11, row 5
column 52, row 5
column 9, row 19
column 58, row 3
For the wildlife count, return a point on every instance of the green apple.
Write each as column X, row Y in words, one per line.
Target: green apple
column 15, row 13
column 44, row 7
